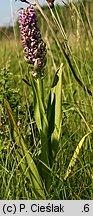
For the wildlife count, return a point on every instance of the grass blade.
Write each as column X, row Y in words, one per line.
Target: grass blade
column 35, row 178
column 75, row 155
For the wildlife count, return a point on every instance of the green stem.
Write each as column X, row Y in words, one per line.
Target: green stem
column 41, row 90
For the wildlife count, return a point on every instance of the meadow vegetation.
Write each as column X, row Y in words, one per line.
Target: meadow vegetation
column 46, row 146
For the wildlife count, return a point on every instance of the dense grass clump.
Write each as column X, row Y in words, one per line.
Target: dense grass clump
column 46, row 125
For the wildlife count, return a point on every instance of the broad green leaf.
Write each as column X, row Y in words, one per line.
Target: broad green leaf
column 57, row 91
column 41, row 119
column 39, row 110
column 51, row 114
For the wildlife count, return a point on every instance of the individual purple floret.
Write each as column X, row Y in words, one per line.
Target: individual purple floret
column 34, row 46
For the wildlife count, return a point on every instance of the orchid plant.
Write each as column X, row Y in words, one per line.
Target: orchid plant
column 48, row 117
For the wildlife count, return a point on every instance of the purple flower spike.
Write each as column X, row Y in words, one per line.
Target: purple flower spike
column 34, row 46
